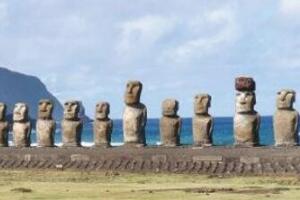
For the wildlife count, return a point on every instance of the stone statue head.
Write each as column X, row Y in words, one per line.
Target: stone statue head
column 170, row 107
column 285, row 99
column 102, row 110
column 71, row 110
column 20, row 112
column 45, row 109
column 245, row 101
column 202, row 103
column 2, row 111
column 133, row 92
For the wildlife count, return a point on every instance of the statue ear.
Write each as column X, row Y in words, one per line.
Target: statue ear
column 254, row 99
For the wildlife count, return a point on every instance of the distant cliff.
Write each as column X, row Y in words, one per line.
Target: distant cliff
column 18, row 87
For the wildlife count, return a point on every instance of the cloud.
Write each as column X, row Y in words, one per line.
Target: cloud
column 3, row 13
column 138, row 36
column 88, row 50
column 216, row 30
column 290, row 7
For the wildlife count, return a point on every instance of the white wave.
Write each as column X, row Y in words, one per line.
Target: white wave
column 84, row 144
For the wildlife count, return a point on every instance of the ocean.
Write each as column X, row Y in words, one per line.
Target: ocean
column 222, row 134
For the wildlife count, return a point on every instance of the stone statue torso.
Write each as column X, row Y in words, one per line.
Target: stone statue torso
column 202, row 129
column 71, row 132
column 285, row 127
column 246, row 128
column 170, row 130
column 4, row 128
column 102, row 131
column 45, row 132
column 21, row 134
column 134, row 122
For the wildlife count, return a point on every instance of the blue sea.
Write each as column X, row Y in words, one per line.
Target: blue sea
column 222, row 135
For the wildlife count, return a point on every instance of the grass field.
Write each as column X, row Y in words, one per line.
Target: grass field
column 112, row 185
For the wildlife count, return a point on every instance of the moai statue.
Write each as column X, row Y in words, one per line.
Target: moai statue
column 4, row 127
column 170, row 123
column 103, row 125
column 21, row 125
column 71, row 125
column 285, row 121
column 202, row 121
column 246, row 119
column 45, row 125
column 134, row 116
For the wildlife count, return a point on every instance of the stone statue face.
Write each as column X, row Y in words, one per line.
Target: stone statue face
column 2, row 111
column 170, row 107
column 45, row 109
column 102, row 110
column 245, row 102
column 202, row 103
column 71, row 110
column 285, row 99
column 20, row 112
column 133, row 92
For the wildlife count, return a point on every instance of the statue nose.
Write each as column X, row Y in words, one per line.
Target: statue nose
column 130, row 89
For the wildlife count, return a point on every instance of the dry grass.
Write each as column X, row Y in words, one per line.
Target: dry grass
column 111, row 185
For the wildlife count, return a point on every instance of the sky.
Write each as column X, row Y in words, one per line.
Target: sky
column 87, row 50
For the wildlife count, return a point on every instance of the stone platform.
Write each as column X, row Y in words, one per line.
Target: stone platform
column 211, row 160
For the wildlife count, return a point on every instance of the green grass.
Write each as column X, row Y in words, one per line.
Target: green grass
column 96, row 185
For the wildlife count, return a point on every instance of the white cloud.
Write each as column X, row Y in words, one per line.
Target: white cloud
column 143, row 32
column 88, row 50
column 217, row 29
column 3, row 12
column 290, row 7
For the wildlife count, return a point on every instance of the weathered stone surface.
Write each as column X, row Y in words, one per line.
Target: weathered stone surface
column 202, row 121
column 134, row 116
column 170, row 123
column 4, row 127
column 21, row 126
column 246, row 129
column 246, row 119
column 249, row 160
column 218, row 161
column 244, row 84
column 207, row 158
column 103, row 125
column 71, row 125
column 285, row 120
column 45, row 125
